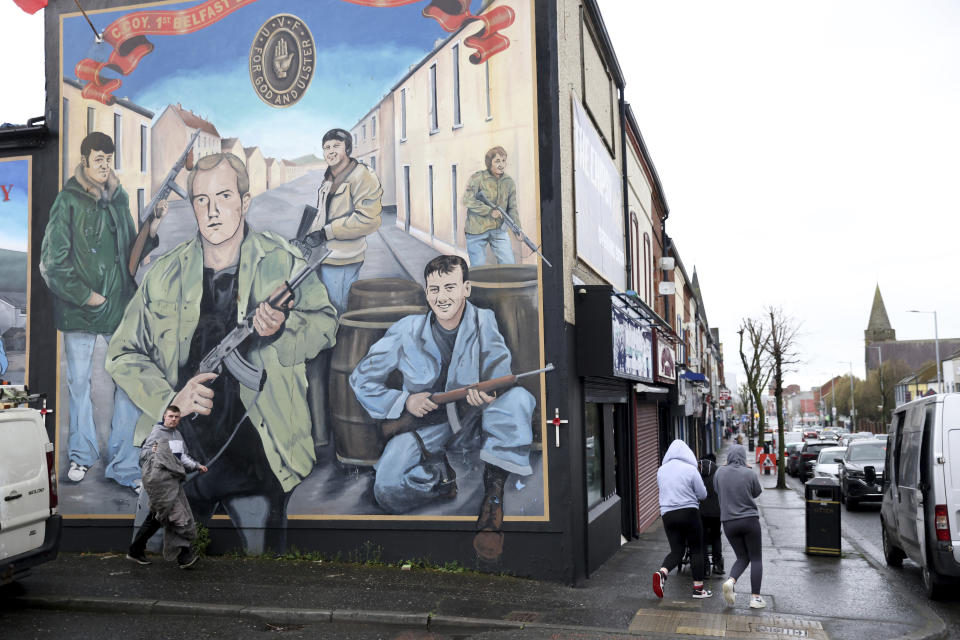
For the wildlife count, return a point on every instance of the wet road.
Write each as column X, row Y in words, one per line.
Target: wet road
column 862, row 526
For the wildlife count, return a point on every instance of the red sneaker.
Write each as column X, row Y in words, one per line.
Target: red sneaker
column 658, row 580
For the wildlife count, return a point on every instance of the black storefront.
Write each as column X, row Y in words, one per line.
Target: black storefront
column 624, row 398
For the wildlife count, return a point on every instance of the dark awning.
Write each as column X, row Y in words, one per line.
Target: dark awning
column 694, row 377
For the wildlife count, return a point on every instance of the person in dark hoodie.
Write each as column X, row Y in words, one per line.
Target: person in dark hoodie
column 738, row 486
column 681, row 490
column 710, row 516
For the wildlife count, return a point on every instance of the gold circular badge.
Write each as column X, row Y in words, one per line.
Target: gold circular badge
column 282, row 60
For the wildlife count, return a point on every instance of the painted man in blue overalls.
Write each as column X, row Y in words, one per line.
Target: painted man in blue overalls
column 453, row 346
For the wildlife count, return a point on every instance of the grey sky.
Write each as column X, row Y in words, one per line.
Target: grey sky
column 807, row 151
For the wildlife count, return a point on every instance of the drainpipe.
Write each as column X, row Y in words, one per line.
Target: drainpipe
column 631, row 285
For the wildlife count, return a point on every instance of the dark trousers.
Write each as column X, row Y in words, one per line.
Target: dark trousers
column 149, row 527
column 683, row 529
column 744, row 537
column 242, row 482
column 711, row 539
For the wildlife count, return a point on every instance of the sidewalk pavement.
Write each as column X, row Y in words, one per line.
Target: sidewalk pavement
column 812, row 597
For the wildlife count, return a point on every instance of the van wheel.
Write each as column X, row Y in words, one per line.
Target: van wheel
column 932, row 584
column 892, row 554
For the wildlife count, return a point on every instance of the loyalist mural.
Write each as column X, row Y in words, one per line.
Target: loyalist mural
column 14, row 222
column 313, row 227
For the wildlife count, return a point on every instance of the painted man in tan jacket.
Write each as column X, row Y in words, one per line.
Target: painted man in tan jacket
column 348, row 210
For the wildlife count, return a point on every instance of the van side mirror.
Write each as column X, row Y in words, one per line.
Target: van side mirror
column 870, row 474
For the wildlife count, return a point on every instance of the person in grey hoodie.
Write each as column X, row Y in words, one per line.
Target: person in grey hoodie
column 681, row 490
column 738, row 486
column 165, row 461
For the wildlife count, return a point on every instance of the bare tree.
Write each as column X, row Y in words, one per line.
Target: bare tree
column 781, row 348
column 756, row 364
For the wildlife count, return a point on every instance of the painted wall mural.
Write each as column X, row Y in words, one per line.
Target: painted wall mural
column 14, row 271
column 313, row 226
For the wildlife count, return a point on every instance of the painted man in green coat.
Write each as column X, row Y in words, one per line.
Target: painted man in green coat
column 187, row 302
column 83, row 260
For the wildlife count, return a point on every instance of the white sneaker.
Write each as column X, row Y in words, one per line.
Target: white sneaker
column 76, row 472
column 728, row 591
column 757, row 602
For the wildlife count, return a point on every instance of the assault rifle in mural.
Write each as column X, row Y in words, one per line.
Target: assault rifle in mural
column 226, row 355
column 407, row 422
column 513, row 226
column 169, row 184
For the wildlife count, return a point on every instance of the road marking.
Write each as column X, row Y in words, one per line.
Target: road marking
column 726, row 625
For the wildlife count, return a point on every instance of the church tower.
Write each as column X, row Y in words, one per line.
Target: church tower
column 878, row 330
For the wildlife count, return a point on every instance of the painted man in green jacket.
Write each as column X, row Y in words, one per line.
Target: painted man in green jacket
column 484, row 224
column 188, row 301
column 83, row 260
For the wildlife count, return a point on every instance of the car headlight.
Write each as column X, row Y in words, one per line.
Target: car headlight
column 855, row 474
column 823, row 474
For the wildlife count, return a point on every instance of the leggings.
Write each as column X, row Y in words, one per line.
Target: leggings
column 684, row 530
column 744, row 537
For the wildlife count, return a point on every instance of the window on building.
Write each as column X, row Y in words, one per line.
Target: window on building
column 141, row 202
column 355, row 142
column 647, row 266
column 453, row 200
column 434, row 122
column 363, row 129
column 455, row 52
column 430, row 197
column 373, row 127
column 143, row 148
column 65, row 142
column 403, row 115
column 406, row 194
column 91, row 120
column 635, row 252
column 373, row 163
column 593, row 436
column 486, row 72
column 117, row 129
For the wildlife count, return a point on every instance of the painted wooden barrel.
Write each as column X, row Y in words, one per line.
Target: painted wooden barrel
column 376, row 293
column 510, row 290
column 357, row 436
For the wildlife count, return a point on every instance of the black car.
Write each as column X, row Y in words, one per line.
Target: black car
column 792, row 453
column 854, row 487
column 808, row 457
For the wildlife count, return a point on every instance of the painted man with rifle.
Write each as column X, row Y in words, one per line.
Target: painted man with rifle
column 485, row 224
column 454, row 346
column 255, row 441
column 84, row 257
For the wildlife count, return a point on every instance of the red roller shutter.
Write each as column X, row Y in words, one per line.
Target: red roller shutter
column 648, row 461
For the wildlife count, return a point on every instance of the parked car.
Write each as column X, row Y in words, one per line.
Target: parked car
column 920, row 512
column 791, row 437
column 881, row 436
column 826, row 465
column 29, row 522
column 811, row 449
column 846, row 439
column 792, row 453
column 854, row 487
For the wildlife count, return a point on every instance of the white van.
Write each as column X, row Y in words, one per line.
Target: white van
column 29, row 522
column 920, row 516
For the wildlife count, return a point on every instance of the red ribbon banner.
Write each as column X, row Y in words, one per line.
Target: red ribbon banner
column 127, row 35
column 453, row 14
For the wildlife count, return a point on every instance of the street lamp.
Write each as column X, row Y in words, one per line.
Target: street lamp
column 883, row 398
column 936, row 343
column 853, row 407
